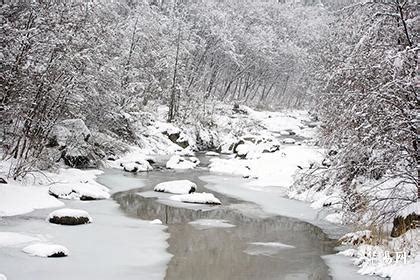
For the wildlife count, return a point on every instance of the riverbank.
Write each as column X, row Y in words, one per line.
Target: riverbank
column 259, row 168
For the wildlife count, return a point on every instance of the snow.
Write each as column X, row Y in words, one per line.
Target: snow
column 79, row 190
column 16, row 199
column 178, row 162
column 71, row 183
column 45, row 250
column 289, row 141
column 201, row 198
column 156, row 222
column 140, row 165
column 335, row 218
column 114, row 247
column 356, row 237
column 271, row 169
column 3, row 277
column 176, row 187
column 212, row 154
column 11, row 239
column 412, row 208
column 266, row 248
column 67, row 212
column 210, row 223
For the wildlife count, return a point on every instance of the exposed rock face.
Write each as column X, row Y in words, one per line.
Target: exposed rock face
column 402, row 225
column 71, row 137
column 177, row 138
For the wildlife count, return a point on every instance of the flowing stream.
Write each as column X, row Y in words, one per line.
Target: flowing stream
column 251, row 246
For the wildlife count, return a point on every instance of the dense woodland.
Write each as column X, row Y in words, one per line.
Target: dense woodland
column 354, row 64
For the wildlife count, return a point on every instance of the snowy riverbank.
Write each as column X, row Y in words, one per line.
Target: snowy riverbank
column 265, row 151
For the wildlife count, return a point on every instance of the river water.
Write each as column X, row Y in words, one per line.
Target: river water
column 256, row 246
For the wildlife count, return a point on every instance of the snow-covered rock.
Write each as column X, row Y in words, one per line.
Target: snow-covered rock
column 200, row 198
column 82, row 191
column 141, row 165
column 68, row 216
column 69, row 131
column 46, row 250
column 178, row 162
column 289, row 141
column 11, row 239
column 242, row 150
column 176, row 187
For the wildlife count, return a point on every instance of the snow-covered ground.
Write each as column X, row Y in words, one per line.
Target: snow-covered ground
column 112, row 247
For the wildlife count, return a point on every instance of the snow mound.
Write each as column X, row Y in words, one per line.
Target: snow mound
column 141, row 165
column 176, row 187
column 212, row 154
column 289, row 141
column 266, row 248
column 11, row 239
column 46, row 250
column 82, row 191
column 178, row 162
column 210, row 223
column 201, row 198
column 68, row 216
column 335, row 218
column 232, row 166
column 156, row 222
column 356, row 238
column 16, row 199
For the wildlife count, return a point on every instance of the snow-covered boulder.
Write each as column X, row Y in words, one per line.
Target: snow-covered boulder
column 141, row 165
column 200, row 198
column 81, row 190
column 289, row 141
column 178, row 162
column 46, row 250
column 69, row 217
column 242, row 150
column 69, row 131
column 176, row 187
column 173, row 133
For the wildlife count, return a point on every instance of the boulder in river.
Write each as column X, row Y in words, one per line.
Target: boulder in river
column 176, row 187
column 69, row 217
column 46, row 250
column 199, row 198
column 141, row 165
